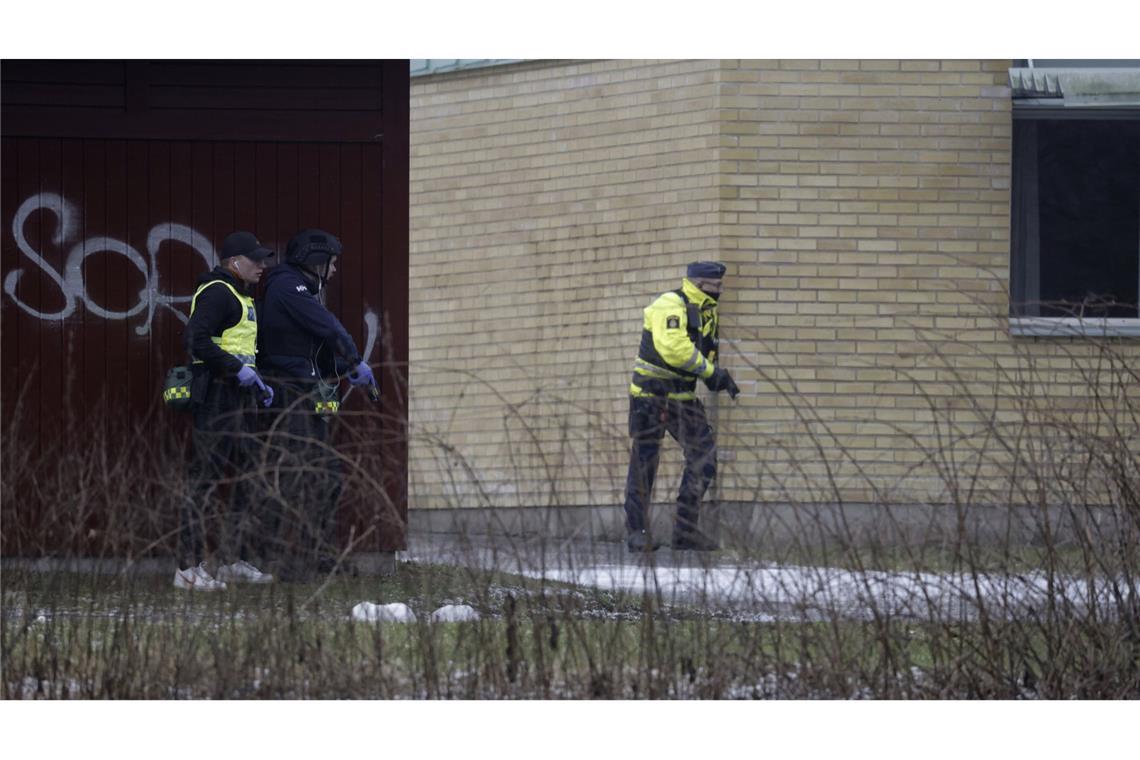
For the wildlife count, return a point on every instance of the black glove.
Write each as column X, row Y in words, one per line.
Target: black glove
column 720, row 380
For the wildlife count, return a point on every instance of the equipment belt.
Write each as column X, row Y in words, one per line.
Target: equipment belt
column 661, row 386
column 649, row 369
column 245, row 359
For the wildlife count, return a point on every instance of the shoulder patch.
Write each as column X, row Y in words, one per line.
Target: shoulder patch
column 673, row 322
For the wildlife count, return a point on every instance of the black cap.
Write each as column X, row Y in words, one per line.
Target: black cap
column 244, row 244
column 712, row 270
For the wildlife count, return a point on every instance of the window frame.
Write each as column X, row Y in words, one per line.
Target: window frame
column 1049, row 327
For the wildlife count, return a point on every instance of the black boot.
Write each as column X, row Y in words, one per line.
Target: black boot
column 693, row 540
column 640, row 541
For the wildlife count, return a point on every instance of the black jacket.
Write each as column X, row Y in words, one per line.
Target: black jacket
column 297, row 336
column 215, row 312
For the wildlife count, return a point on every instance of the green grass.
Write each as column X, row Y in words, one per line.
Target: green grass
column 78, row 636
column 124, row 636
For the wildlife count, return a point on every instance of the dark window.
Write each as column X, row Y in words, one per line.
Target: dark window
column 1076, row 218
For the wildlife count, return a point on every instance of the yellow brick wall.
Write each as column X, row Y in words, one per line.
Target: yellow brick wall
column 549, row 201
column 863, row 209
column 866, row 215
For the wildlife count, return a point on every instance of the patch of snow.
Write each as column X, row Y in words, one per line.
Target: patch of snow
column 800, row 590
column 454, row 613
column 396, row 612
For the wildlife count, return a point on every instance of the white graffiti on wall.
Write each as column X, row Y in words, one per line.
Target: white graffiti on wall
column 72, row 284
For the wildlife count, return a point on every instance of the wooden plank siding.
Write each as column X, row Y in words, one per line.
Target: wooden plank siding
column 137, row 171
column 310, row 101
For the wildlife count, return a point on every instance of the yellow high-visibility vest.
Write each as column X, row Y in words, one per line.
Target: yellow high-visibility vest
column 239, row 341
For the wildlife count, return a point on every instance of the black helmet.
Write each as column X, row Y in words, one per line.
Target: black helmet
column 312, row 249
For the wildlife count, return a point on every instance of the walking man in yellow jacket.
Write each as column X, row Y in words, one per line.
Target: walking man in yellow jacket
column 679, row 340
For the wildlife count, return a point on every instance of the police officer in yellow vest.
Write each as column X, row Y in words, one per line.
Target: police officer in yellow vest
column 679, row 340
column 221, row 336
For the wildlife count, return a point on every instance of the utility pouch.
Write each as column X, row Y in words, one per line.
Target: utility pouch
column 176, row 388
column 328, row 401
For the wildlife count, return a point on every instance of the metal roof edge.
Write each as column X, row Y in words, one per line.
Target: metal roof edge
column 1076, row 87
column 425, row 66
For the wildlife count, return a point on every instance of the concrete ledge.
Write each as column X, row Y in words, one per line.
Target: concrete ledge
column 772, row 525
column 363, row 563
column 784, row 524
column 595, row 523
column 90, row 565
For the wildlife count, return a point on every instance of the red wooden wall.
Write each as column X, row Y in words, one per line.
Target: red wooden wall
column 119, row 181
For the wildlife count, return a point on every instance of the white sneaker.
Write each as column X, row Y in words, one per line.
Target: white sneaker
column 242, row 572
column 196, row 579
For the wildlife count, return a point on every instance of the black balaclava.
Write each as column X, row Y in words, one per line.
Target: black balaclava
column 709, row 270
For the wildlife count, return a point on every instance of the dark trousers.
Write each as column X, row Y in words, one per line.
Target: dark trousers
column 221, row 470
column 300, row 518
column 686, row 422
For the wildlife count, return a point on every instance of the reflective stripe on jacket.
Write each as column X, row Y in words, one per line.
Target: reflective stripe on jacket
column 239, row 341
column 678, row 344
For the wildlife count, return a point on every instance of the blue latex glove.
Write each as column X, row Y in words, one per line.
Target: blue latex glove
column 361, row 374
column 248, row 377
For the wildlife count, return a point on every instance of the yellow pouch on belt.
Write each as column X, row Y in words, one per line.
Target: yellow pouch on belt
column 328, row 401
column 176, row 388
